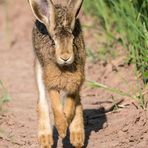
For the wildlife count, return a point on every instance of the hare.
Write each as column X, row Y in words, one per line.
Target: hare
column 59, row 66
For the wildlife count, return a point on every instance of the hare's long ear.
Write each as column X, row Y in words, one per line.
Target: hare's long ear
column 74, row 8
column 44, row 11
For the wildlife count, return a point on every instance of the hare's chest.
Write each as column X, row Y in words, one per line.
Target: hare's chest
column 67, row 81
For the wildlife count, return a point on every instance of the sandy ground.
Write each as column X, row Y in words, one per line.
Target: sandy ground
column 122, row 128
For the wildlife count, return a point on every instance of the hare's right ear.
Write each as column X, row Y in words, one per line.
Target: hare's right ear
column 44, row 11
column 74, row 8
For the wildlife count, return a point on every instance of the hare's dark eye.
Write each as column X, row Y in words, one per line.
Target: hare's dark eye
column 42, row 28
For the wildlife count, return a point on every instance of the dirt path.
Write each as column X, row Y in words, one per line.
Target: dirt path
column 123, row 128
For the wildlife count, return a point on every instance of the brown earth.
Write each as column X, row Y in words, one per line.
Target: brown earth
column 126, row 127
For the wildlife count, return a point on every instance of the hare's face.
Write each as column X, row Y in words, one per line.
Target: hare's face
column 64, row 48
column 60, row 22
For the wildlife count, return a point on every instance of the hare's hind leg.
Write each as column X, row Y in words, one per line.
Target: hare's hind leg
column 77, row 126
column 59, row 116
column 45, row 129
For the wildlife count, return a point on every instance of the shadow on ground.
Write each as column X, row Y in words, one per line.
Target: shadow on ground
column 93, row 119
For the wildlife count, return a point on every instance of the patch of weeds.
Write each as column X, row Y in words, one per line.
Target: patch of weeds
column 138, row 96
column 5, row 97
column 128, row 19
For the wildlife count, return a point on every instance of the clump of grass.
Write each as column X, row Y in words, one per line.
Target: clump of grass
column 5, row 97
column 138, row 96
column 130, row 20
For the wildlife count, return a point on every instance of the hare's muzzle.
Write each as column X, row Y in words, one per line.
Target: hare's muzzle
column 64, row 50
column 65, row 59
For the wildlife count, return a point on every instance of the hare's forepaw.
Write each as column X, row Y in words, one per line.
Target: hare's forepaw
column 77, row 136
column 45, row 137
column 61, row 126
column 45, row 140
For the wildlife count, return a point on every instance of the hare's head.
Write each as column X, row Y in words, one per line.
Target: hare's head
column 60, row 23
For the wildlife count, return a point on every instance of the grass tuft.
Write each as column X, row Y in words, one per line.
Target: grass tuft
column 5, row 97
column 138, row 96
column 130, row 20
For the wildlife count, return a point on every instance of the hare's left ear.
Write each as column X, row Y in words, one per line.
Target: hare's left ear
column 74, row 8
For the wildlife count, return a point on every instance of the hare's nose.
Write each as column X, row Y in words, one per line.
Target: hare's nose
column 65, row 58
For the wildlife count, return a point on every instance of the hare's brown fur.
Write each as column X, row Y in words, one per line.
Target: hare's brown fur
column 61, row 78
column 60, row 60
